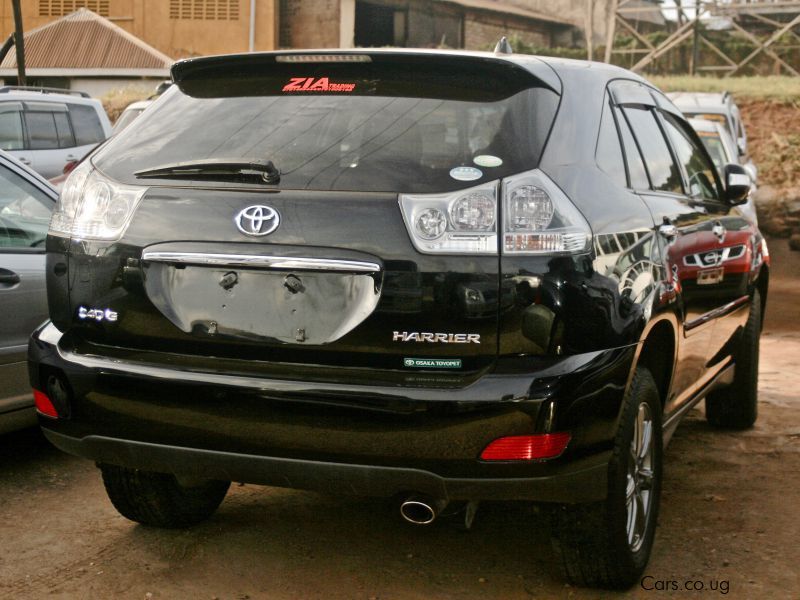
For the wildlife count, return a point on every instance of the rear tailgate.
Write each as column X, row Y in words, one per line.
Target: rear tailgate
column 337, row 281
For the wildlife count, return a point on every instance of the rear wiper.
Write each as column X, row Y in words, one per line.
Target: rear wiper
column 215, row 168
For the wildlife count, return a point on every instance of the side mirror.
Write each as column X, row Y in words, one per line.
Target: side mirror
column 737, row 184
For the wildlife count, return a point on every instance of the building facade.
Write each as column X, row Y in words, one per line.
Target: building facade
column 178, row 28
column 184, row 28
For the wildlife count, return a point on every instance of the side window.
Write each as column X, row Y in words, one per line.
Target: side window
column 24, row 211
column 41, row 130
column 10, row 129
column 699, row 171
column 609, row 153
column 86, row 125
column 64, row 130
column 664, row 173
column 636, row 169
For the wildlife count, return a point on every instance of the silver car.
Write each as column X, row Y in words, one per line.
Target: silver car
column 718, row 107
column 722, row 150
column 48, row 128
column 26, row 201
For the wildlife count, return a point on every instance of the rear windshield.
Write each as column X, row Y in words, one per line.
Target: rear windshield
column 359, row 127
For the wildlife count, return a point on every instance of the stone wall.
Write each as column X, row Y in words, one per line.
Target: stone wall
column 779, row 214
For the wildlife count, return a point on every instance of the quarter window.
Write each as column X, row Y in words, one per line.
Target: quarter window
column 609, row 153
column 699, row 170
column 664, row 173
column 636, row 169
column 86, row 125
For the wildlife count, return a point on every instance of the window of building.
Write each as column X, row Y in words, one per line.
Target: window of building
column 378, row 25
column 204, row 10
column 59, row 8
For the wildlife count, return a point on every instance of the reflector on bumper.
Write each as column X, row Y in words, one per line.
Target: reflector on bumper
column 527, row 447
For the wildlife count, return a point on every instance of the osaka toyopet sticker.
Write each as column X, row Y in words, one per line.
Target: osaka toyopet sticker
column 319, row 84
column 432, row 363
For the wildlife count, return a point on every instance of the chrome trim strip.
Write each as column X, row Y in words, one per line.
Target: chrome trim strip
column 716, row 313
column 266, row 262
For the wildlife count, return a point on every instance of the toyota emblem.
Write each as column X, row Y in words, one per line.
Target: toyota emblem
column 257, row 220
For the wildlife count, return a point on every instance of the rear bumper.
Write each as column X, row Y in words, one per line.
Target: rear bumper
column 338, row 436
column 582, row 481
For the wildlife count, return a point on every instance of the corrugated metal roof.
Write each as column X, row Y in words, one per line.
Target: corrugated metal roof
column 506, row 8
column 85, row 40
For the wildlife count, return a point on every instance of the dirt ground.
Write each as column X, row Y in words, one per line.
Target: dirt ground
column 728, row 522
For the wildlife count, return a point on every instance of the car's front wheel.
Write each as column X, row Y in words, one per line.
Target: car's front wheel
column 607, row 544
column 160, row 499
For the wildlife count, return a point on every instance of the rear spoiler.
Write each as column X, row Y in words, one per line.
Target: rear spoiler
column 515, row 71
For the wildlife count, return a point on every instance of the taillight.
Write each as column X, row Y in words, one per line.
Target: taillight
column 540, row 219
column 92, row 206
column 527, row 447
column 463, row 222
column 537, row 218
column 44, row 405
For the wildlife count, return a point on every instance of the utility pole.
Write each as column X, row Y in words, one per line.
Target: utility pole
column 589, row 29
column 611, row 29
column 19, row 42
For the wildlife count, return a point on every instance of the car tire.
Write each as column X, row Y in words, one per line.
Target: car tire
column 604, row 544
column 736, row 406
column 159, row 499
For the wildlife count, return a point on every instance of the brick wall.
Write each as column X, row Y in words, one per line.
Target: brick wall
column 309, row 24
column 480, row 32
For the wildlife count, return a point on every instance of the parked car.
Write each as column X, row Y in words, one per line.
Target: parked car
column 722, row 150
column 720, row 108
column 222, row 315
column 47, row 128
column 130, row 113
column 26, row 202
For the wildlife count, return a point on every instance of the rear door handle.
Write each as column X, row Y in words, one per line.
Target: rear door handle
column 8, row 277
column 24, row 161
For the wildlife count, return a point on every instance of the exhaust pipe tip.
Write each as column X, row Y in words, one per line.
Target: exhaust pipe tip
column 420, row 510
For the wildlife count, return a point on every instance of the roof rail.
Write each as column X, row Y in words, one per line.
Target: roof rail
column 44, row 90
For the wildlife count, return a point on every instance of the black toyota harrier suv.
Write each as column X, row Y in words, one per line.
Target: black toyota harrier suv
column 443, row 277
